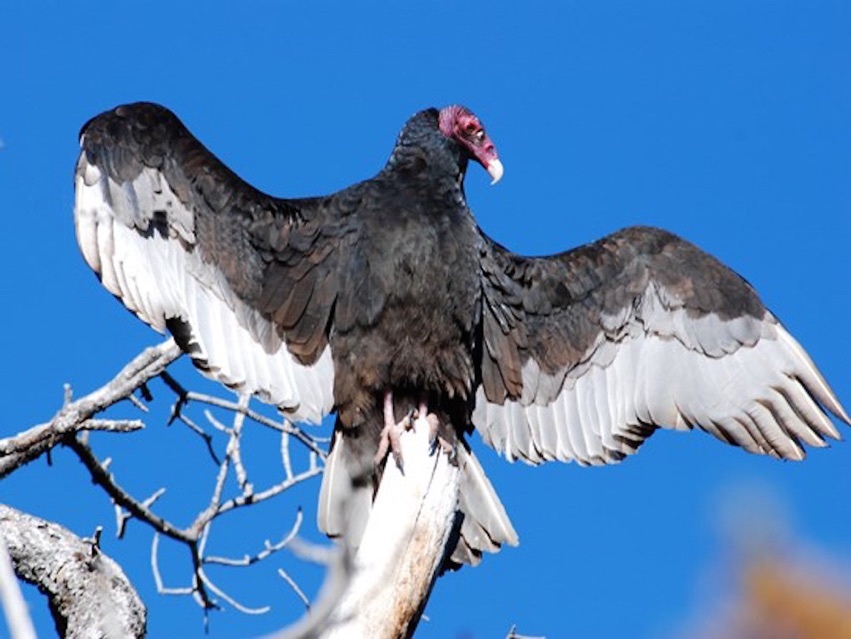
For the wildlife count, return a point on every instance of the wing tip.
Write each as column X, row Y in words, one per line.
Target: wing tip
column 815, row 383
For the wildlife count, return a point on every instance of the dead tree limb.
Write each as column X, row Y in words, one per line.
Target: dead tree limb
column 386, row 585
column 70, row 427
column 404, row 544
column 89, row 595
column 77, row 415
column 193, row 536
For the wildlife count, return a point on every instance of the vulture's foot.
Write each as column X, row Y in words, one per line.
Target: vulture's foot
column 435, row 436
column 391, row 434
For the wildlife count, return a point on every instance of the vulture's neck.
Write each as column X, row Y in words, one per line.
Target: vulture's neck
column 424, row 154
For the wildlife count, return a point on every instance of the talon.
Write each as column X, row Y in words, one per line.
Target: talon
column 391, row 441
column 408, row 420
column 433, row 426
column 447, row 447
column 435, row 439
column 392, row 433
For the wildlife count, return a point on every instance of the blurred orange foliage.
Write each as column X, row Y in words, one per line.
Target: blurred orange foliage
column 786, row 602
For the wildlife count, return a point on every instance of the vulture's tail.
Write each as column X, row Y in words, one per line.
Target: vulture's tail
column 485, row 525
column 348, row 488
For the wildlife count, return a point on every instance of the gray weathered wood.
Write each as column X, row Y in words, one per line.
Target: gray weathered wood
column 403, row 545
column 90, row 597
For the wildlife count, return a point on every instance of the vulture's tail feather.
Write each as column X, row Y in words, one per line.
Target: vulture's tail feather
column 348, row 487
column 485, row 525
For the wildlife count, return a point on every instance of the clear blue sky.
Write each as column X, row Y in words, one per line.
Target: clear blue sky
column 726, row 122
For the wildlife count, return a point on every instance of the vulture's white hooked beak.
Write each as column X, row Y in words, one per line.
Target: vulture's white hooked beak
column 496, row 170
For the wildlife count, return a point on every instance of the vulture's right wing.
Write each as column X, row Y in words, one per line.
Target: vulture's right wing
column 246, row 282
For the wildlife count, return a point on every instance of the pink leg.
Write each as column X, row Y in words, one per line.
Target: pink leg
column 392, row 432
column 433, row 426
column 422, row 410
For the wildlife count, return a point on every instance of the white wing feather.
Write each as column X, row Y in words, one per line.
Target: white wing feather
column 159, row 277
column 758, row 389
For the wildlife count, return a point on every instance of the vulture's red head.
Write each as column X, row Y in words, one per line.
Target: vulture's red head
column 461, row 124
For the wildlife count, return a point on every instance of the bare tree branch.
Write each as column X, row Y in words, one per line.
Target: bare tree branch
column 285, row 454
column 295, row 587
column 379, row 593
column 122, row 516
column 90, row 597
column 76, row 416
column 311, row 443
column 103, row 478
column 194, row 536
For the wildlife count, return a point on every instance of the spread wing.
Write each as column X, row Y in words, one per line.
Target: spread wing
column 586, row 353
column 246, row 282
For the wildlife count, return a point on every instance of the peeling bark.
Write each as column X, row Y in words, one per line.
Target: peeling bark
column 89, row 595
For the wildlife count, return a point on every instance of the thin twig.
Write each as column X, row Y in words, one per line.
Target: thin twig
column 268, row 550
column 341, row 569
column 104, row 479
column 277, row 489
column 23, row 442
column 233, row 602
column 123, row 516
column 298, row 591
column 207, row 515
column 138, row 403
column 206, row 437
column 285, row 454
column 513, row 634
column 193, row 537
column 310, row 442
column 155, row 569
column 179, row 390
column 234, row 449
column 199, row 588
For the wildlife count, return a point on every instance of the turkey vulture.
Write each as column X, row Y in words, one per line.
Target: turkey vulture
column 386, row 298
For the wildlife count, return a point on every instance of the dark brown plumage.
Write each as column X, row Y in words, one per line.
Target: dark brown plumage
column 388, row 289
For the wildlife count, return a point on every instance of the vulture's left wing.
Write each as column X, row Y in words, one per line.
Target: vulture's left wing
column 246, row 282
column 587, row 352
